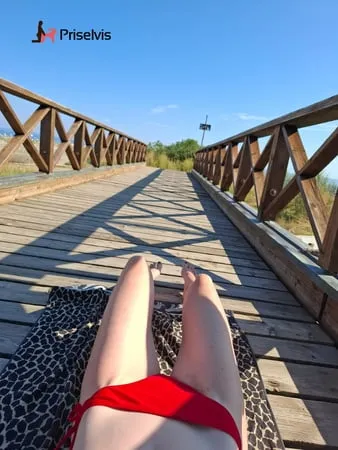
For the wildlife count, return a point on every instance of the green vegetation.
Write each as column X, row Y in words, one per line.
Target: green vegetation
column 177, row 156
column 11, row 169
column 294, row 217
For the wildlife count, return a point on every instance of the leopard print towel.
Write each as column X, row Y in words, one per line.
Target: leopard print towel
column 41, row 383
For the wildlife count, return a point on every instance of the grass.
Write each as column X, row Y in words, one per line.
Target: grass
column 161, row 160
column 293, row 217
column 11, row 169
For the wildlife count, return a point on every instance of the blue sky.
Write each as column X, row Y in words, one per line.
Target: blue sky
column 169, row 64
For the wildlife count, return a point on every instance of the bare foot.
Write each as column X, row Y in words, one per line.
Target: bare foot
column 156, row 269
column 189, row 275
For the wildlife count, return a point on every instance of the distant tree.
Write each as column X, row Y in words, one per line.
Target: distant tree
column 156, row 146
column 179, row 151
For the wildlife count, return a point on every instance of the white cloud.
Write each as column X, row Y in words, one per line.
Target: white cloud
column 162, row 109
column 246, row 116
column 159, row 125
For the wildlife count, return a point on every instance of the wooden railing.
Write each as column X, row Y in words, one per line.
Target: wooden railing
column 105, row 143
column 237, row 161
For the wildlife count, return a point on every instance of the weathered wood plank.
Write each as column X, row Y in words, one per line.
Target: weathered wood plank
column 11, row 336
column 100, row 244
column 282, row 329
column 99, row 248
column 306, row 422
column 99, row 233
column 20, row 312
column 294, row 351
column 299, row 379
column 112, row 262
column 35, row 268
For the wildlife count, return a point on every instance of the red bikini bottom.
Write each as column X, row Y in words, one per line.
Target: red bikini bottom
column 159, row 395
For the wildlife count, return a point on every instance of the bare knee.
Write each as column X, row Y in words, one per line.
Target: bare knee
column 203, row 283
column 136, row 264
column 204, row 280
column 137, row 260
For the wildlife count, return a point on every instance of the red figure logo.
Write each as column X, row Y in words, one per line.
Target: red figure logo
column 41, row 35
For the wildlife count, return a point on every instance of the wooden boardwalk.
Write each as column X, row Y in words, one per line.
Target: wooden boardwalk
column 85, row 234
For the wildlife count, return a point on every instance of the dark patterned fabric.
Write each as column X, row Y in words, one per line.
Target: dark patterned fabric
column 41, row 383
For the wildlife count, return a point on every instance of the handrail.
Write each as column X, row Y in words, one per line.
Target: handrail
column 227, row 163
column 105, row 142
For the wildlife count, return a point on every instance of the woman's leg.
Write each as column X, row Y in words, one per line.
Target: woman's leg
column 124, row 349
column 206, row 360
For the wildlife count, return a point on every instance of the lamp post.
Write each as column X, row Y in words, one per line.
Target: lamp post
column 204, row 126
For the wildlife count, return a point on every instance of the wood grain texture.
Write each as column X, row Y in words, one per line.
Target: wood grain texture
column 302, row 422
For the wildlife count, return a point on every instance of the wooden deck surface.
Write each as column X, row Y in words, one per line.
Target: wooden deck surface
column 85, row 234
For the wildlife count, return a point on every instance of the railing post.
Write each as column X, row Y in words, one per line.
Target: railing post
column 47, row 128
column 275, row 176
column 78, row 145
column 328, row 258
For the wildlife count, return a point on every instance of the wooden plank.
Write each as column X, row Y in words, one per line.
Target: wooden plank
column 286, row 195
column 279, row 158
column 328, row 258
column 78, row 144
column 47, row 139
column 244, row 172
column 107, row 248
column 283, row 329
column 293, row 351
column 311, row 382
column 265, row 155
column 9, row 194
column 20, row 312
column 322, row 158
column 10, row 115
column 258, row 176
column 35, row 268
column 198, row 250
column 11, row 336
column 20, row 292
column 125, row 233
column 329, row 318
column 170, row 224
column 111, row 261
column 38, row 295
column 311, row 422
column 266, row 309
column 309, row 190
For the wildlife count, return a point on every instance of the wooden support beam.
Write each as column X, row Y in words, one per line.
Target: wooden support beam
column 328, row 258
column 211, row 167
column 287, row 194
column 244, row 179
column 217, row 170
column 78, row 145
column 308, row 188
column 278, row 164
column 323, row 156
column 98, row 146
column 47, row 129
column 10, row 115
